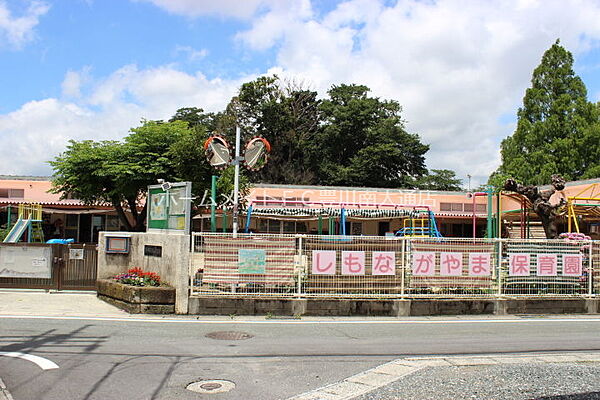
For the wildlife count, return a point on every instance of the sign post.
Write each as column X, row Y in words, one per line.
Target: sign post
column 169, row 207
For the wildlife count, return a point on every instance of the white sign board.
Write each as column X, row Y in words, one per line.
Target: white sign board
column 25, row 262
column 76, row 254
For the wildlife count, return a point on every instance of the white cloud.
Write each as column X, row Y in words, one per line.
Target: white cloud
column 243, row 9
column 455, row 66
column 16, row 31
column 191, row 53
column 73, row 82
column 102, row 109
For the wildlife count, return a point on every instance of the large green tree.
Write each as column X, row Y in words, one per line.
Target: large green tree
column 197, row 119
column 362, row 141
column 119, row 172
column 349, row 138
column 285, row 114
column 557, row 128
column 440, row 179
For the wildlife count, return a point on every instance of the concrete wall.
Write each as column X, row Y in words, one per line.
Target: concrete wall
column 230, row 305
column 172, row 266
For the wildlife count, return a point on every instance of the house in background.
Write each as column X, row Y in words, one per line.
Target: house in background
column 368, row 211
column 68, row 218
column 296, row 209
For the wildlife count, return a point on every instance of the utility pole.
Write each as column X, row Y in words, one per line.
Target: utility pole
column 236, row 180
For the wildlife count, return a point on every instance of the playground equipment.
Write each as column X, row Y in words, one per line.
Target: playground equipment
column 423, row 226
column 362, row 210
column 584, row 204
column 30, row 220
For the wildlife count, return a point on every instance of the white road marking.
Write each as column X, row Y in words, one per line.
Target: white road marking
column 41, row 362
column 310, row 322
column 4, row 393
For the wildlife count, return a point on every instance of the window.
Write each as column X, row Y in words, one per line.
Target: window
column 456, row 206
column 12, row 193
column 274, row 226
column 478, row 207
column 263, row 225
column 72, row 220
column 301, row 227
column 289, row 227
column 445, row 207
column 452, row 207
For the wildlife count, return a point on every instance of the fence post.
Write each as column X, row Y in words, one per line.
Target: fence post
column 590, row 269
column 403, row 267
column 191, row 275
column 57, row 253
column 499, row 263
column 300, row 265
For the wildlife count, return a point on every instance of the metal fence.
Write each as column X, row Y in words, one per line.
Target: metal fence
column 391, row 267
column 48, row 266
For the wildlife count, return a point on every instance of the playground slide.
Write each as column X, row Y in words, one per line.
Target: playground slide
column 17, row 231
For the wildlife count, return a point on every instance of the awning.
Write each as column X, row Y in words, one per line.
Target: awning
column 313, row 213
column 49, row 210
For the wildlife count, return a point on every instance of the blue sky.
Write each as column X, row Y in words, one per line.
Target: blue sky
column 105, row 35
column 91, row 69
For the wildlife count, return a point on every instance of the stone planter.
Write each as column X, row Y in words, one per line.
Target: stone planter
column 137, row 299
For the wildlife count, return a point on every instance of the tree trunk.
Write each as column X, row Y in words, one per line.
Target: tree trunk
column 122, row 216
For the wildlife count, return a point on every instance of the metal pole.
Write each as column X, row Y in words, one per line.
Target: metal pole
column 299, row 282
column 499, row 213
column 236, row 181
column 474, row 217
column 403, row 264
column 499, row 263
column 490, row 233
column 213, row 204
column 523, row 219
column 590, row 269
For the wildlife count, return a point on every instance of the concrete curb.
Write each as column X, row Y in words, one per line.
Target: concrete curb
column 374, row 378
column 372, row 307
column 4, row 393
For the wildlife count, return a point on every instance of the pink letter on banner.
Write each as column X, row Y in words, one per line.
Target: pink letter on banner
column 572, row 264
column 518, row 265
column 480, row 264
column 423, row 263
column 323, row 262
column 547, row 264
column 384, row 263
column 353, row 262
column 451, row 264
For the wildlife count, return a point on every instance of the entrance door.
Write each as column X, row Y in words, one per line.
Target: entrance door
column 384, row 226
column 85, row 228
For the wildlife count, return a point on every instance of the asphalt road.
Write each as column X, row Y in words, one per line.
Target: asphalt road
column 112, row 359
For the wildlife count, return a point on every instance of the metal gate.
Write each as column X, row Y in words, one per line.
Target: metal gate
column 48, row 266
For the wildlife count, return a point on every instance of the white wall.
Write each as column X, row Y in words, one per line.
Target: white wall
column 172, row 266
